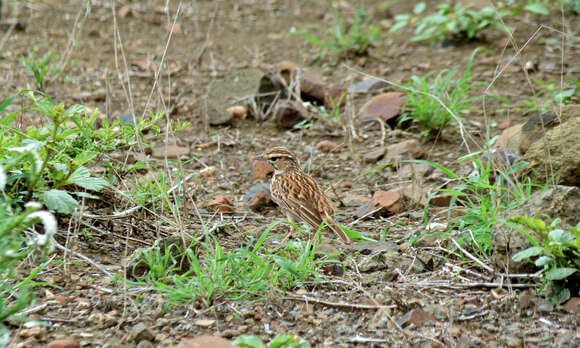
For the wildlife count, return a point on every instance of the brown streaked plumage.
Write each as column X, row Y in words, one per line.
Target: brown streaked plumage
column 297, row 194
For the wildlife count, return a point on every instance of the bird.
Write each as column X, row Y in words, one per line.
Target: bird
column 297, row 194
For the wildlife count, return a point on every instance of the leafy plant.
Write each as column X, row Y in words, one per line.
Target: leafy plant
column 434, row 101
column 550, row 94
column 449, row 22
column 211, row 273
column 482, row 197
column 557, row 253
column 280, row 341
column 48, row 162
column 39, row 68
column 354, row 38
column 333, row 116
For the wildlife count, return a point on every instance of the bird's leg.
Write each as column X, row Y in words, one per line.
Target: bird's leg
column 290, row 233
column 292, row 221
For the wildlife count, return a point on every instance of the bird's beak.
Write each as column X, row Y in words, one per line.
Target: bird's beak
column 259, row 158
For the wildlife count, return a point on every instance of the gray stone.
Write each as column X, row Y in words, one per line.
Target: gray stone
column 367, row 85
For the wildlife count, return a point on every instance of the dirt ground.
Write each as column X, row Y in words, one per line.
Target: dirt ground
column 109, row 54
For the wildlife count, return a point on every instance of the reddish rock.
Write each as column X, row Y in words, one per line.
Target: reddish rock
column 175, row 29
column 505, row 124
column 390, row 201
column 172, row 151
column 204, row 342
column 222, row 204
column 312, row 88
column 261, row 169
column 442, row 200
column 417, row 317
column 289, row 113
column 238, row 111
column 207, row 172
column 573, row 305
column 327, row 146
column 384, row 106
column 63, row 343
column 408, row 149
column 383, row 202
column 260, row 200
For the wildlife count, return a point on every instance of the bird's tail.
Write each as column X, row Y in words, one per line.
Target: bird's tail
column 335, row 228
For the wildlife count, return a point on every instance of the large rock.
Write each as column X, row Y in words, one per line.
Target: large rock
column 556, row 156
column 226, row 91
column 384, row 106
column 557, row 202
column 287, row 75
column 289, row 113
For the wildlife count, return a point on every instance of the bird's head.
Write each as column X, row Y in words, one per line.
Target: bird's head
column 280, row 158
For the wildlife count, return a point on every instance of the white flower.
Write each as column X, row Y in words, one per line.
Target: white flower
column 25, row 148
column 2, row 179
column 33, row 205
column 49, row 223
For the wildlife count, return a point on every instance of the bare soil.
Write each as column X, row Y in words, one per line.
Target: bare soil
column 110, row 57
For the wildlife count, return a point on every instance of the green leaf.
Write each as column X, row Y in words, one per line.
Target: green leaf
column 398, row 26
column 60, row 201
column 249, row 341
column 560, row 236
column 559, row 293
column 543, row 261
column 531, row 223
column 536, row 8
column 527, row 253
column 7, row 102
column 420, row 7
column 82, row 177
column 560, row 273
column 355, row 235
column 281, row 340
column 84, row 157
column 448, row 172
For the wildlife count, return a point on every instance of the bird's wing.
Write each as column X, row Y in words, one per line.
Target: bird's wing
column 308, row 203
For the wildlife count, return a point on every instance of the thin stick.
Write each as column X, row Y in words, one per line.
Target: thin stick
column 84, row 258
column 335, row 304
column 466, row 285
column 469, row 255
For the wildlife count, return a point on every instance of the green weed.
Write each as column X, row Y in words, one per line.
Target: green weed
column 40, row 68
column 354, row 38
column 549, row 95
column 280, row 341
column 483, row 197
column 434, row 101
column 334, row 115
column 450, row 22
column 205, row 272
